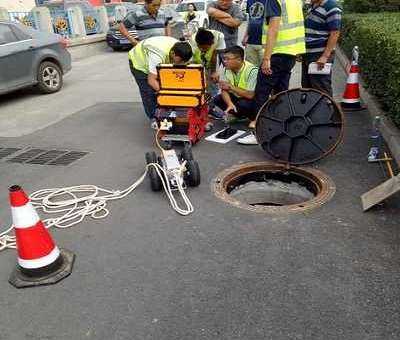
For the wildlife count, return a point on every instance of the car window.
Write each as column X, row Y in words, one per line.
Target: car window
column 21, row 35
column 182, row 7
column 6, row 35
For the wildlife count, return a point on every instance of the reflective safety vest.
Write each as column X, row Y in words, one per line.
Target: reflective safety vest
column 291, row 35
column 241, row 78
column 161, row 46
column 197, row 54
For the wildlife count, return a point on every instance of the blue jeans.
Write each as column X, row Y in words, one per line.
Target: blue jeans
column 278, row 81
column 147, row 93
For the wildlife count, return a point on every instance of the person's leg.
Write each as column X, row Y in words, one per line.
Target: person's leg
column 148, row 95
column 246, row 108
column 305, row 77
column 283, row 65
column 219, row 102
column 319, row 82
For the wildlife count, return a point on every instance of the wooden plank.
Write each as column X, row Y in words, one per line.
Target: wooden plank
column 381, row 192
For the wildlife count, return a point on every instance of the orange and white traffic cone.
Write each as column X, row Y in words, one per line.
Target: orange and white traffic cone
column 351, row 96
column 40, row 261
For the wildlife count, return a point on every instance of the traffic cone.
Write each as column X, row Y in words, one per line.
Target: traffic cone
column 40, row 261
column 351, row 96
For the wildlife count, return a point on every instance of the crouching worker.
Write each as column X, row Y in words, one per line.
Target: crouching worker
column 237, row 86
column 143, row 61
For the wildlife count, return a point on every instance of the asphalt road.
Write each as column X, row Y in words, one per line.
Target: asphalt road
column 145, row 272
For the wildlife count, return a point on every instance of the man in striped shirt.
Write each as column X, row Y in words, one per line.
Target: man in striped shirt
column 323, row 22
column 149, row 20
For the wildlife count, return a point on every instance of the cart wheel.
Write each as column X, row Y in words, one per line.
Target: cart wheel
column 192, row 175
column 167, row 144
column 155, row 181
column 186, row 153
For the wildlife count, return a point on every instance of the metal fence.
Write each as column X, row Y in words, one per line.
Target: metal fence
column 61, row 22
column 25, row 18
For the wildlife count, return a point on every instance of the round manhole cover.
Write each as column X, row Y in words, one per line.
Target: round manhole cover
column 273, row 188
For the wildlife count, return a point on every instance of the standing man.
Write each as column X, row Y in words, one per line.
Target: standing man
column 284, row 39
column 252, row 40
column 149, row 20
column 143, row 61
column 323, row 23
column 225, row 17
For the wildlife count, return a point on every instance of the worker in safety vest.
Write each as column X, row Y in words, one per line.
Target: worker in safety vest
column 206, row 45
column 143, row 61
column 284, row 39
column 237, row 86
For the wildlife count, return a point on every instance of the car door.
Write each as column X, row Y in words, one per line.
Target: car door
column 16, row 55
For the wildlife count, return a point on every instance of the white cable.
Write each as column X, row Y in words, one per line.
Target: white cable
column 94, row 203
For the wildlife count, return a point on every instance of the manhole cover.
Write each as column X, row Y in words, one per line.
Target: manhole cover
column 299, row 126
column 273, row 188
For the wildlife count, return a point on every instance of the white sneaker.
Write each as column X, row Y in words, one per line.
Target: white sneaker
column 248, row 140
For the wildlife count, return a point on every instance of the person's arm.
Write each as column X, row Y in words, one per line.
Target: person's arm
column 217, row 14
column 272, row 34
column 242, row 92
column 226, row 86
column 330, row 46
column 152, row 80
column 228, row 101
column 124, row 31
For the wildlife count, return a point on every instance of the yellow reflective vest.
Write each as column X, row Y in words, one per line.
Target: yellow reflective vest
column 291, row 35
column 241, row 79
column 161, row 46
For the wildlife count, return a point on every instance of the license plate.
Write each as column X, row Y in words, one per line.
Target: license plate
column 124, row 41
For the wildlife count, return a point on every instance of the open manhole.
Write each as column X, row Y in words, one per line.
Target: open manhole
column 267, row 187
column 294, row 127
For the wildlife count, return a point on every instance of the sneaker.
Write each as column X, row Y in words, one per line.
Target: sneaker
column 208, row 127
column 248, row 140
column 153, row 124
column 217, row 114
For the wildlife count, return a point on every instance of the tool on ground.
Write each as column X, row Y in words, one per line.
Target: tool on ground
column 384, row 190
column 177, row 172
column 351, row 96
column 376, row 140
column 40, row 261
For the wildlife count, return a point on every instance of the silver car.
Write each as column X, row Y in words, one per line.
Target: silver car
column 30, row 57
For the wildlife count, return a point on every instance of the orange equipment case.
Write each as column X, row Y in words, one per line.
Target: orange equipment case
column 184, row 87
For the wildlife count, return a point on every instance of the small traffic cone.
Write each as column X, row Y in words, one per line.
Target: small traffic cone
column 40, row 261
column 351, row 96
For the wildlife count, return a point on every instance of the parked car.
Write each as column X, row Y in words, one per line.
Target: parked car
column 201, row 13
column 30, row 57
column 114, row 38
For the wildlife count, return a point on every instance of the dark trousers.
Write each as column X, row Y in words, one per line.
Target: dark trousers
column 278, row 81
column 147, row 93
column 321, row 82
column 245, row 107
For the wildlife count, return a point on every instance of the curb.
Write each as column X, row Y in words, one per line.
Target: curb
column 389, row 131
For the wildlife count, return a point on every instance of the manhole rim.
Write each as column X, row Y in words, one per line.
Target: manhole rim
column 325, row 184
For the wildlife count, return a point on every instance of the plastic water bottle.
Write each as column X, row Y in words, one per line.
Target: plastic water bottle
column 375, row 140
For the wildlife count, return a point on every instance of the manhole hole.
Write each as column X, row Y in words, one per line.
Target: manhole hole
column 273, row 187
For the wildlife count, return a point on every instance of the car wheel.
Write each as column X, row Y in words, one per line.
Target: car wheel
column 50, row 77
column 205, row 23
